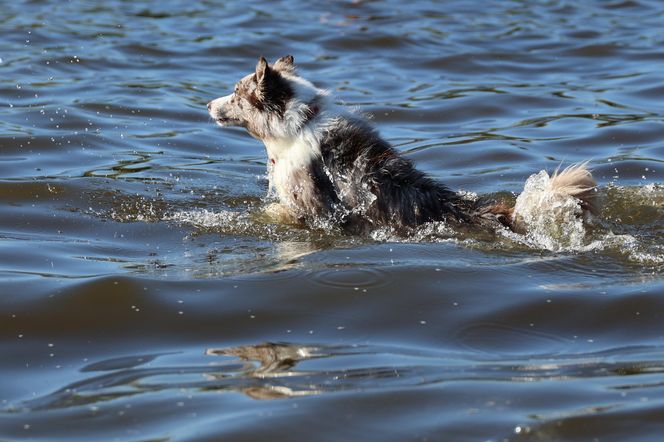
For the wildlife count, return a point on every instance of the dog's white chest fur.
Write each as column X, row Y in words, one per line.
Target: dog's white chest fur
column 289, row 168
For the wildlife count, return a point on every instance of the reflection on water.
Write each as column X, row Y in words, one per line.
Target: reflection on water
column 282, row 370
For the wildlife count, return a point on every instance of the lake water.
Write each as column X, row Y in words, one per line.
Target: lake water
column 144, row 297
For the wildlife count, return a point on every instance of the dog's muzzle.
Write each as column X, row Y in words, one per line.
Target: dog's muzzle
column 215, row 111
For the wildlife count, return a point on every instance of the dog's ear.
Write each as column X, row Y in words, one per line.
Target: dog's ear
column 285, row 64
column 261, row 70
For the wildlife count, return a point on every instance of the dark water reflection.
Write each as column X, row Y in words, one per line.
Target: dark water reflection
column 144, row 294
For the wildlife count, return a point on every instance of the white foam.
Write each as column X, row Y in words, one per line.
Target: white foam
column 226, row 222
column 207, row 219
column 438, row 231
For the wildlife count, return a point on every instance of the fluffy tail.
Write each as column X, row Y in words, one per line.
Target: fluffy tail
column 546, row 199
column 577, row 181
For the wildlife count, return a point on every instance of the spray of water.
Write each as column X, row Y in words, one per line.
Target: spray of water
column 630, row 224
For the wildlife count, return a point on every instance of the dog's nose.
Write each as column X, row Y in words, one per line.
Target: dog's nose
column 209, row 106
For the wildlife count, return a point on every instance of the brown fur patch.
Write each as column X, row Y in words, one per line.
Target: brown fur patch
column 266, row 89
column 502, row 213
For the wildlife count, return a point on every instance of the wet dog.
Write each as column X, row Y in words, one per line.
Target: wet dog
column 328, row 163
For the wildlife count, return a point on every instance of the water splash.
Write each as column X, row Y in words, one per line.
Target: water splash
column 553, row 220
column 207, row 219
column 627, row 227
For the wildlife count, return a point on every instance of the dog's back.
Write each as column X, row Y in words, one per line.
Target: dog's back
column 374, row 181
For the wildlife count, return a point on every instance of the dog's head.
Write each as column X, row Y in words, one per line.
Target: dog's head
column 272, row 102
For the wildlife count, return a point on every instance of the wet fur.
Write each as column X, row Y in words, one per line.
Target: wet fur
column 325, row 162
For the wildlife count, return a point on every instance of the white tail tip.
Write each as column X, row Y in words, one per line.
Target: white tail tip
column 577, row 181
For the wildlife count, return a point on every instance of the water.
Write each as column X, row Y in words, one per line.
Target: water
column 144, row 294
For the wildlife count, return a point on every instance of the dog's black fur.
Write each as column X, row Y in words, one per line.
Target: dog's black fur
column 405, row 197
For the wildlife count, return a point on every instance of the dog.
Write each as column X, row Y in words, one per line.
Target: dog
column 326, row 162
